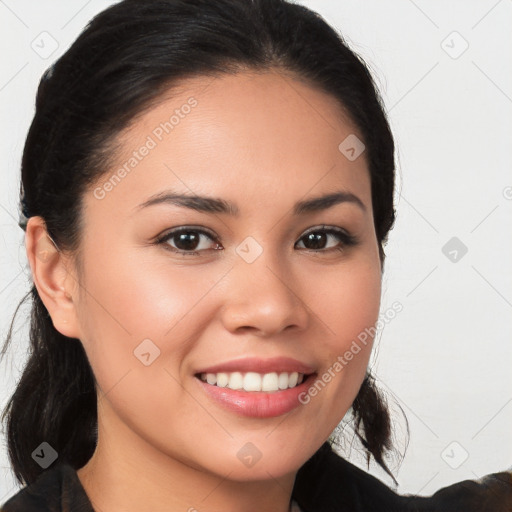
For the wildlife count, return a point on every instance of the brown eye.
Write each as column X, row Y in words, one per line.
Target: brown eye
column 316, row 239
column 186, row 240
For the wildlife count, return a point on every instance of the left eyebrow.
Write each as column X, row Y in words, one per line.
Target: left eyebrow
column 207, row 204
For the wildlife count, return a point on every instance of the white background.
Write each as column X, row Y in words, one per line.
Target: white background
column 446, row 357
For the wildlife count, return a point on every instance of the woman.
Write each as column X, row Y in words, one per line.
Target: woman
column 208, row 188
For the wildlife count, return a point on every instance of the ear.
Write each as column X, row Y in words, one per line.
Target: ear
column 53, row 278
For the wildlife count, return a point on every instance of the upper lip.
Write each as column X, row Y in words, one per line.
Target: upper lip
column 254, row 364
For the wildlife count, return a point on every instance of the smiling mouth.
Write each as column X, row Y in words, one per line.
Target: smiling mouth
column 254, row 382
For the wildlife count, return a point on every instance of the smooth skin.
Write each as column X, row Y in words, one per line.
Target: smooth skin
column 263, row 141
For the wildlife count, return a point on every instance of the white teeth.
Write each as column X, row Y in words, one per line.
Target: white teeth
column 236, row 381
column 269, row 382
column 252, row 381
column 283, row 381
column 221, row 378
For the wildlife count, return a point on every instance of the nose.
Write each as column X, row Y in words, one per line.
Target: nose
column 265, row 297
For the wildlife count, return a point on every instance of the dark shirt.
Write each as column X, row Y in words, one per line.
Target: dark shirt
column 326, row 483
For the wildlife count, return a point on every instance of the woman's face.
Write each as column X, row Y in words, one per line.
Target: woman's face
column 151, row 317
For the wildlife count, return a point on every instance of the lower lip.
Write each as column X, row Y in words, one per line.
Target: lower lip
column 257, row 404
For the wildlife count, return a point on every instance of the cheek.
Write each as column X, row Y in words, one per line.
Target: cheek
column 139, row 321
column 349, row 303
column 350, row 311
column 135, row 298
column 131, row 307
column 359, row 303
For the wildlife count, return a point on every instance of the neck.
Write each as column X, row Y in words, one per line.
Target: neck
column 127, row 473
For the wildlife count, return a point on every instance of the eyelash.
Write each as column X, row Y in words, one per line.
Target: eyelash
column 346, row 239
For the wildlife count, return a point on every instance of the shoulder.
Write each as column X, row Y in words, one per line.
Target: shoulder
column 327, row 482
column 57, row 489
column 492, row 493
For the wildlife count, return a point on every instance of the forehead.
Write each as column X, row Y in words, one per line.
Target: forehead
column 249, row 137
